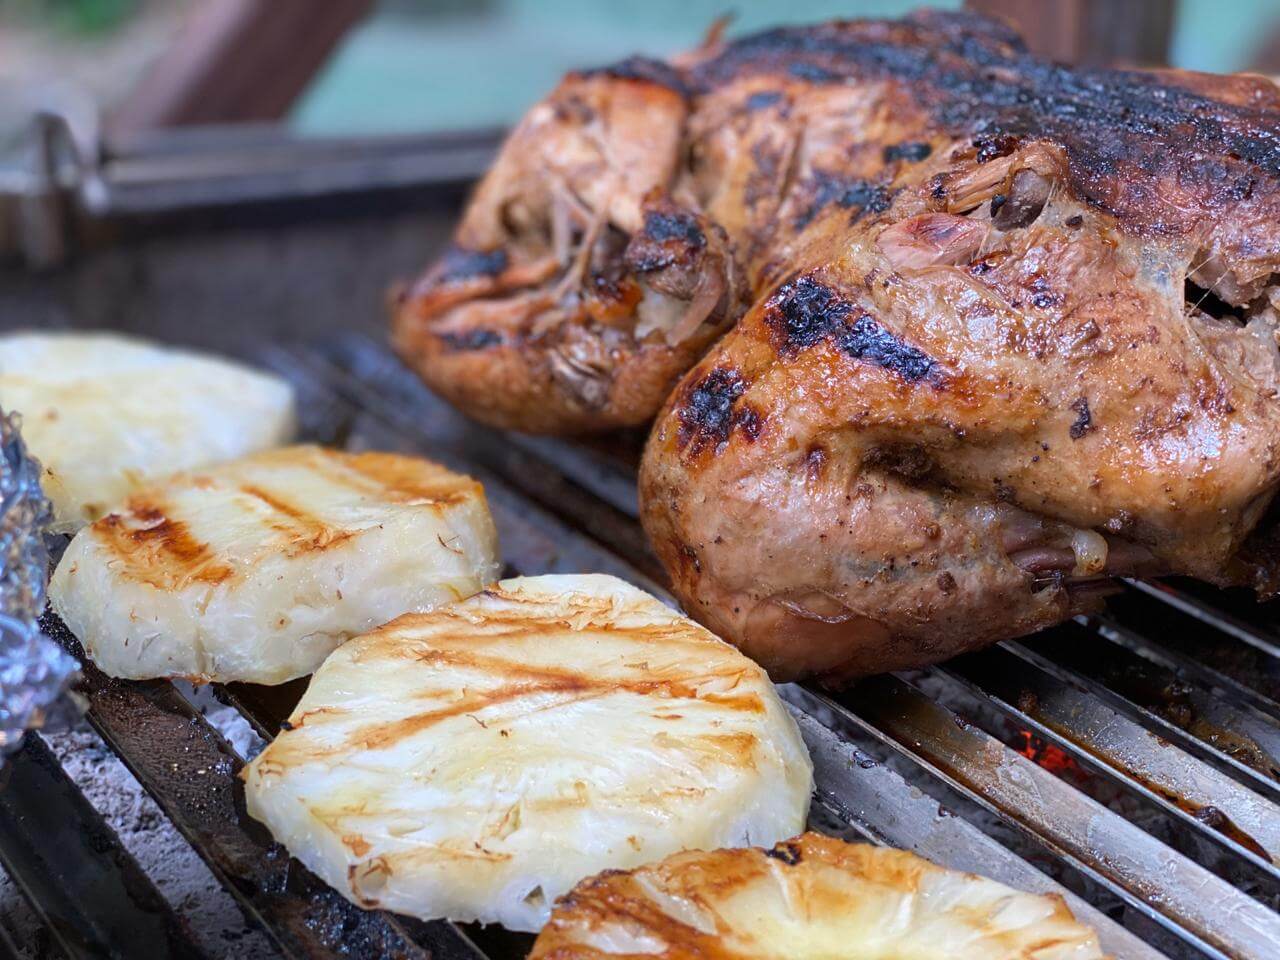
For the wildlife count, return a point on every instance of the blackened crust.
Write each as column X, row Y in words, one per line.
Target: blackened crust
column 458, row 264
column 788, row 852
column 661, row 226
column 1126, row 133
column 705, row 409
column 644, row 69
column 805, row 311
column 848, row 193
column 912, row 151
column 866, row 340
column 478, row 339
column 802, row 312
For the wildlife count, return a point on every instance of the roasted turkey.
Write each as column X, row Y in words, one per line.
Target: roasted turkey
column 1010, row 327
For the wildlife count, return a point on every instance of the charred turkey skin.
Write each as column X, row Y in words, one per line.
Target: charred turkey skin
column 1014, row 335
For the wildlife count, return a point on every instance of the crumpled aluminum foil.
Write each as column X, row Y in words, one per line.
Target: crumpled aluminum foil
column 34, row 671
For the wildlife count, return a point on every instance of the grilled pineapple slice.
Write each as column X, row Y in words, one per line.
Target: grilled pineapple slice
column 106, row 414
column 477, row 761
column 255, row 570
column 812, row 898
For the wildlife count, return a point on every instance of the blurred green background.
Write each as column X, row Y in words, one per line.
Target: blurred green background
column 435, row 64
column 420, row 64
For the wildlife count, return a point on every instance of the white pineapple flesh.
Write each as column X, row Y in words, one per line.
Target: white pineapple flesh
column 105, row 414
column 257, row 569
column 477, row 761
column 812, row 898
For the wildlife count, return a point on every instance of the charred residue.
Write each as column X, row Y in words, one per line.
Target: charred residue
column 1084, row 419
column 644, row 69
column 866, row 340
column 663, row 225
column 803, row 312
column 848, row 193
column 763, row 99
column 993, row 147
column 749, row 421
column 788, row 852
column 806, row 311
column 913, row 151
column 477, row 339
column 706, row 411
column 669, row 236
column 459, row 263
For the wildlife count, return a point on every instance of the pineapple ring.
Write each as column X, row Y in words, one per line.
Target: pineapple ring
column 256, row 570
column 812, row 898
column 107, row 414
column 477, row 761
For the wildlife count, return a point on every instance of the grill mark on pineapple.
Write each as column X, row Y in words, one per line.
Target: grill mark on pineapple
column 157, row 549
column 379, row 736
column 487, row 624
column 576, row 689
column 307, row 532
column 490, row 627
column 356, row 844
column 317, row 712
column 408, row 480
column 748, row 703
column 491, row 630
column 280, row 505
column 426, row 853
column 614, row 897
column 684, row 686
column 738, row 748
column 526, row 681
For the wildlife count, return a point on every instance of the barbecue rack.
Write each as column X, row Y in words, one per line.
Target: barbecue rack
column 1129, row 761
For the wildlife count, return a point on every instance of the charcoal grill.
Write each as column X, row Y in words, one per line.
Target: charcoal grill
column 1129, row 761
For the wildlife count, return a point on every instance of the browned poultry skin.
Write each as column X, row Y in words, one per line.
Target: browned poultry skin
column 578, row 289
column 972, row 386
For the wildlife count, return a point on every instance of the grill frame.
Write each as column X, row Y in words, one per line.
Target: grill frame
column 893, row 762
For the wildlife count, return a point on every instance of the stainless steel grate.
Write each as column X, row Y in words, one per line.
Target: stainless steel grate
column 1130, row 762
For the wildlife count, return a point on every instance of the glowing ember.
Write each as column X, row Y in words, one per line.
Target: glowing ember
column 1052, row 758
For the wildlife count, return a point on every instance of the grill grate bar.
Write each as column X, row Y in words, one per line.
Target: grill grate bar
column 1207, row 801
column 607, row 476
column 1208, row 614
column 1241, row 671
column 8, row 949
column 1208, row 727
column 266, row 708
column 87, row 889
column 1119, row 634
column 1154, row 879
column 886, row 809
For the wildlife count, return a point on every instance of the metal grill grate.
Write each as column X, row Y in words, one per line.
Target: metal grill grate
column 1130, row 762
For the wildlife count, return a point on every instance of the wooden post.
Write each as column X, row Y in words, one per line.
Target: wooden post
column 237, row 61
column 1095, row 32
